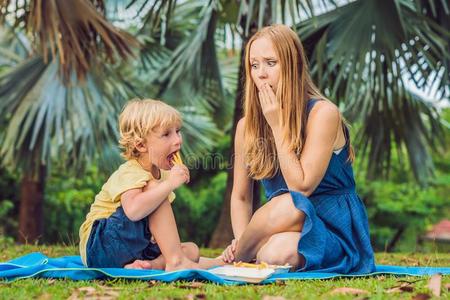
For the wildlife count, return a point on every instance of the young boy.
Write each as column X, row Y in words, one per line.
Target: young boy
column 131, row 222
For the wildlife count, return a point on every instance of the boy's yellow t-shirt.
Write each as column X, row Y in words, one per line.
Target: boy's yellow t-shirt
column 130, row 175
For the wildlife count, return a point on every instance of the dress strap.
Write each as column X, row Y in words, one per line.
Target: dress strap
column 310, row 105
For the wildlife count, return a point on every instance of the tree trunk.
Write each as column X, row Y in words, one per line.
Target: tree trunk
column 390, row 247
column 31, row 203
column 223, row 234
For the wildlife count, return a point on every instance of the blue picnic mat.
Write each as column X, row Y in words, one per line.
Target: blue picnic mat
column 70, row 267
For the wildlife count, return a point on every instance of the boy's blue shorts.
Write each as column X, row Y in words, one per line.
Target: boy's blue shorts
column 117, row 241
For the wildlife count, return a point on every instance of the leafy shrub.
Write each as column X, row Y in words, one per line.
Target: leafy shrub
column 405, row 209
column 197, row 209
column 9, row 199
column 67, row 201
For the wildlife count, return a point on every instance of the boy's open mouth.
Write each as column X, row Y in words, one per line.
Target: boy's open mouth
column 171, row 156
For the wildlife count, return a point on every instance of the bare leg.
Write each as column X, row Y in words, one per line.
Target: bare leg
column 276, row 216
column 189, row 249
column 139, row 264
column 281, row 249
column 159, row 263
column 206, row 262
column 164, row 229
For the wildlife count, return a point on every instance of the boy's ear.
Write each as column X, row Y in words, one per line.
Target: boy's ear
column 140, row 145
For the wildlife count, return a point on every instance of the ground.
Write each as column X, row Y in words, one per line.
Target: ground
column 380, row 287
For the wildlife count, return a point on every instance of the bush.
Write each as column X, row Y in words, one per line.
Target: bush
column 405, row 209
column 197, row 209
column 67, row 201
column 9, row 199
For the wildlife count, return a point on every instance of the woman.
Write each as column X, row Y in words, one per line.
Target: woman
column 295, row 141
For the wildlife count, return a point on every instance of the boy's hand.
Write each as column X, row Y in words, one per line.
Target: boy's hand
column 178, row 175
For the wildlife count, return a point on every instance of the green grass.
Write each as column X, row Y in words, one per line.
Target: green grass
column 376, row 287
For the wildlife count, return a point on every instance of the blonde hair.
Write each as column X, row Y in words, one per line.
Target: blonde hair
column 294, row 89
column 139, row 118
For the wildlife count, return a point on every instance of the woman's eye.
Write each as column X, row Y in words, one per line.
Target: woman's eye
column 271, row 63
column 254, row 66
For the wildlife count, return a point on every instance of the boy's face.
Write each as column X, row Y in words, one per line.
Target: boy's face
column 162, row 144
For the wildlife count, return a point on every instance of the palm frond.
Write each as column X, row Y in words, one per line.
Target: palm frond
column 194, row 54
column 75, row 31
column 185, row 70
column 200, row 133
column 47, row 119
column 362, row 55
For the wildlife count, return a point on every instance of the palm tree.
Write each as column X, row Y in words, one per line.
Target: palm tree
column 61, row 102
column 365, row 55
column 362, row 62
column 359, row 57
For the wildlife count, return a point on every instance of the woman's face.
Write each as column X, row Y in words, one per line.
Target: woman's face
column 264, row 63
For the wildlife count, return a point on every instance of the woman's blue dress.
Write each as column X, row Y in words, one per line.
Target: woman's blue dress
column 335, row 235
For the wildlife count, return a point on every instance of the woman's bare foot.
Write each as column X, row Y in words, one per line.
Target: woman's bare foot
column 181, row 264
column 139, row 264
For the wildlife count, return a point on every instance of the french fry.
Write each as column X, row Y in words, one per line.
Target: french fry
column 261, row 265
column 177, row 158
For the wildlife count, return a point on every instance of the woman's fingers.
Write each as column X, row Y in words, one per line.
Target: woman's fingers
column 267, row 97
column 269, row 94
column 225, row 256
column 228, row 255
column 262, row 100
column 233, row 245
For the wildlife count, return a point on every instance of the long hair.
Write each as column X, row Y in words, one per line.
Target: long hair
column 294, row 89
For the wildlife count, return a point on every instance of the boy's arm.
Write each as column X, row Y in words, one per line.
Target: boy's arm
column 139, row 203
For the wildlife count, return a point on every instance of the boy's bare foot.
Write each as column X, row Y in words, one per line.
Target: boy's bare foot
column 181, row 264
column 206, row 262
column 139, row 264
column 158, row 263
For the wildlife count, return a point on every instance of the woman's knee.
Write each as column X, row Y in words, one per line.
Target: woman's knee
column 277, row 252
column 283, row 214
column 191, row 250
column 276, row 258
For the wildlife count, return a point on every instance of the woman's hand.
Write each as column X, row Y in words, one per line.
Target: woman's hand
column 269, row 105
column 228, row 253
